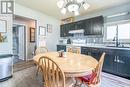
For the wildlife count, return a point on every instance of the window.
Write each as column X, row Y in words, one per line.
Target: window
column 111, row 32
column 122, row 30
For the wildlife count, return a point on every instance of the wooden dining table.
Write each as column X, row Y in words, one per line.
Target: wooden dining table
column 73, row 65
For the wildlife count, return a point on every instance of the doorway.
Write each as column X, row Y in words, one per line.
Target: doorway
column 19, row 43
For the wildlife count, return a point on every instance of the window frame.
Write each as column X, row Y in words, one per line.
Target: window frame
column 114, row 24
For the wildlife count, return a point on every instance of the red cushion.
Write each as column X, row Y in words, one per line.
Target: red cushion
column 88, row 78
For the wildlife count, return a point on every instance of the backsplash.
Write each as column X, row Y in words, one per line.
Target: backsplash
column 91, row 40
column 85, row 40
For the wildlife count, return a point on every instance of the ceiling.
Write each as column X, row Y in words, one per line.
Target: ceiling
column 49, row 7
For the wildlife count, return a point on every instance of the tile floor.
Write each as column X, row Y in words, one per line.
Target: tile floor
column 27, row 78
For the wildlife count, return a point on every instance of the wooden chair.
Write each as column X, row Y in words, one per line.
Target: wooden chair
column 93, row 79
column 40, row 50
column 71, row 50
column 52, row 74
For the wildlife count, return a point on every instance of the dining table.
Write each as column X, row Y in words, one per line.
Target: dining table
column 72, row 64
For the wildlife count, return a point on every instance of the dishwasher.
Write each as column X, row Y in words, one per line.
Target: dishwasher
column 6, row 67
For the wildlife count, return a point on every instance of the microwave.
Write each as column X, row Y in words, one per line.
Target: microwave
column 62, row 41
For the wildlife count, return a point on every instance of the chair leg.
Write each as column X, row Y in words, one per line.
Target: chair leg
column 38, row 69
column 75, row 84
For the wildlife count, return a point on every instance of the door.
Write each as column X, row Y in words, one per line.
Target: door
column 22, row 42
column 19, row 43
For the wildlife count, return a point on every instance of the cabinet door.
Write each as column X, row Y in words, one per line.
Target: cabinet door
column 123, row 66
column 85, row 50
column 95, row 52
column 96, row 25
column 87, row 30
column 80, row 25
column 63, row 31
column 109, row 63
column 69, row 27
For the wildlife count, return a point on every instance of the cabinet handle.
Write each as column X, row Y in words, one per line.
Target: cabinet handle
column 115, row 59
column 119, row 61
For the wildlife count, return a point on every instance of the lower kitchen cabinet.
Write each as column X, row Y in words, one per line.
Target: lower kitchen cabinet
column 123, row 66
column 96, row 53
column 109, row 64
column 61, row 47
column 85, row 50
column 116, row 61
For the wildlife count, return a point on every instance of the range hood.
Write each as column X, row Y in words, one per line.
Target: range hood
column 79, row 31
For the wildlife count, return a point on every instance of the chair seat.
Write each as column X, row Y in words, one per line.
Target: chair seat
column 88, row 78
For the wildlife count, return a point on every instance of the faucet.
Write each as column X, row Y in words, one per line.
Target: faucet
column 116, row 39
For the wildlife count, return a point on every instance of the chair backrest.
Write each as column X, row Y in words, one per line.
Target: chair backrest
column 71, row 50
column 52, row 73
column 99, row 66
column 41, row 50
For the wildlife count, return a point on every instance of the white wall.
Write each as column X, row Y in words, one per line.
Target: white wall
column 106, row 12
column 6, row 47
column 42, row 20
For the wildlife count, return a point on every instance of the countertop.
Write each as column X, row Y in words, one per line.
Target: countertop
column 95, row 46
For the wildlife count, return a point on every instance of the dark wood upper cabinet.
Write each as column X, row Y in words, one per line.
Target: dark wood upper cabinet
column 92, row 26
column 63, row 31
column 80, row 25
column 87, row 29
column 97, row 25
column 70, row 26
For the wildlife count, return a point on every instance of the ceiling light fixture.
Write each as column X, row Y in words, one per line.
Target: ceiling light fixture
column 72, row 6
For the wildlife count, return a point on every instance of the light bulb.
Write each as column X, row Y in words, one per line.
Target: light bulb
column 86, row 6
column 79, row 1
column 63, row 10
column 60, row 3
column 73, row 7
column 76, row 13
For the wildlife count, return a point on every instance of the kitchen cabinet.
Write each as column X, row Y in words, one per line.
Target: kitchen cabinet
column 95, row 52
column 87, row 29
column 96, row 25
column 85, row 50
column 69, row 27
column 109, row 61
column 61, row 47
column 123, row 63
column 116, row 61
column 92, row 26
column 63, row 31
column 80, row 25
